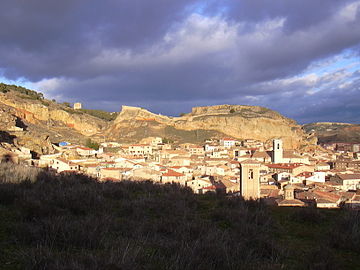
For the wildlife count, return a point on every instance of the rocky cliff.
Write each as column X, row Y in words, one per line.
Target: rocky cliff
column 37, row 111
column 27, row 119
column 36, row 123
column 242, row 122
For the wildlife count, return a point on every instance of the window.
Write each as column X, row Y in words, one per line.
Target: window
column 251, row 174
column 278, row 146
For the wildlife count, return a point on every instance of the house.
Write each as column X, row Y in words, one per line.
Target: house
column 60, row 165
column 186, row 170
column 173, row 177
column 291, row 168
column 145, row 173
column 85, row 151
column 321, row 198
column 243, row 157
column 180, row 161
column 269, row 191
column 326, row 203
column 229, row 186
column 267, row 178
column 350, row 181
column 139, row 149
column 322, row 166
column 115, row 173
column 218, row 154
column 262, row 156
column 289, row 199
column 228, row 142
column 198, row 184
column 47, row 160
column 92, row 169
column 197, row 150
column 124, row 163
column 168, row 153
column 290, row 157
column 211, row 147
column 318, row 177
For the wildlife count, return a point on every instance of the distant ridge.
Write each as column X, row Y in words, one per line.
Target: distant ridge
column 237, row 121
column 328, row 132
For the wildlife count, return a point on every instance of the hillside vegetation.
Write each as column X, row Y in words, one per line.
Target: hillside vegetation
column 74, row 222
column 334, row 132
column 31, row 94
column 107, row 116
column 25, row 93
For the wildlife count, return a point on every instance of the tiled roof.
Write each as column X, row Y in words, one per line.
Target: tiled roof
column 351, row 176
column 285, row 165
column 173, row 174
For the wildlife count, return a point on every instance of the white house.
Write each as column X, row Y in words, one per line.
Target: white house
column 85, row 151
column 228, row 142
column 60, row 165
column 350, row 181
column 198, row 184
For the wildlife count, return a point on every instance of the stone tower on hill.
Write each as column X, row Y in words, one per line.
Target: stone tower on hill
column 250, row 179
column 77, row 106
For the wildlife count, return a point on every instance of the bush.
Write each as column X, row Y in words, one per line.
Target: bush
column 74, row 222
column 107, row 116
column 31, row 94
column 90, row 144
column 15, row 174
column 346, row 234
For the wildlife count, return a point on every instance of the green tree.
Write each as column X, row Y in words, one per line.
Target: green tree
column 94, row 145
column 167, row 140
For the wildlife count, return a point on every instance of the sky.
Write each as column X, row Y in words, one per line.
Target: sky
column 300, row 57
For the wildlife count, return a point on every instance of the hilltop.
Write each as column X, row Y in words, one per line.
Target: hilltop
column 334, row 132
column 238, row 121
column 30, row 120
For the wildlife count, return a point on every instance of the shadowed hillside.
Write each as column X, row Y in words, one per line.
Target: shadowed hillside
column 334, row 132
column 74, row 222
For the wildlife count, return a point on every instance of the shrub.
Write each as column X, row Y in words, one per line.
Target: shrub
column 91, row 144
column 107, row 116
column 346, row 234
column 31, row 94
column 74, row 222
column 12, row 173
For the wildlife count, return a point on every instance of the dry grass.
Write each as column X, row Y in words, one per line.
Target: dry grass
column 74, row 222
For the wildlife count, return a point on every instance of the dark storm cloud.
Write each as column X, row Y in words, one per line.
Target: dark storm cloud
column 170, row 55
column 56, row 35
column 300, row 14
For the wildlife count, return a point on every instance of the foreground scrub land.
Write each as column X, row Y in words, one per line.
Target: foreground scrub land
column 71, row 221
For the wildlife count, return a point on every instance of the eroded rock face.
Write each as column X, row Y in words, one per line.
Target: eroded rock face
column 35, row 112
column 36, row 124
column 242, row 122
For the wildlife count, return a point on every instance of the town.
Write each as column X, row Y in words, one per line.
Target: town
column 326, row 178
